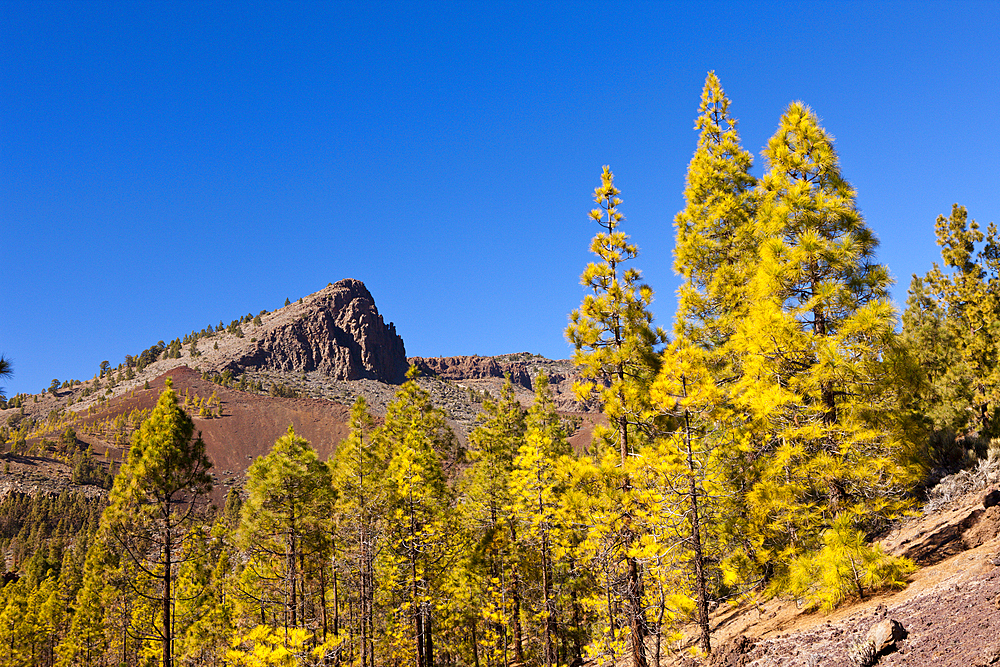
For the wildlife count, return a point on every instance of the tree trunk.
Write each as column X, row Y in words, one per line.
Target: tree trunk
column 705, row 641
column 636, row 615
column 516, row 621
column 475, row 643
column 428, row 636
column 167, row 648
column 550, row 630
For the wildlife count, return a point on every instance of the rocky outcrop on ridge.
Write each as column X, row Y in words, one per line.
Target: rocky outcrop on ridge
column 522, row 368
column 339, row 333
column 488, row 373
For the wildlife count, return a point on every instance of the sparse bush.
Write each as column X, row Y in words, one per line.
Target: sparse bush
column 862, row 652
column 953, row 487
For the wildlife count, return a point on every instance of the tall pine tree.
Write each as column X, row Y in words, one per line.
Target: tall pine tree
column 155, row 505
column 817, row 350
column 716, row 231
column 615, row 342
column 952, row 326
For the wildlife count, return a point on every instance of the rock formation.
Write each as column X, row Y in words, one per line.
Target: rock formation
column 339, row 333
column 476, row 368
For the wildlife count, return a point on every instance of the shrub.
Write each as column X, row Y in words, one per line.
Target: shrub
column 845, row 566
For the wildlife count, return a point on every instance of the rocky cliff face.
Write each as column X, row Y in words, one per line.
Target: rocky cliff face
column 338, row 332
column 522, row 368
column 474, row 368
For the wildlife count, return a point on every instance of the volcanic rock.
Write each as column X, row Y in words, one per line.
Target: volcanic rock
column 886, row 633
column 473, row 368
column 991, row 499
column 340, row 334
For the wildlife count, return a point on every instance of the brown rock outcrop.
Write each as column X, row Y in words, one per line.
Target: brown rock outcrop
column 476, row 368
column 339, row 333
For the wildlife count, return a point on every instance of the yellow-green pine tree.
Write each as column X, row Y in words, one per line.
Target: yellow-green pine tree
column 614, row 343
column 715, row 252
column 418, row 532
column 361, row 499
column 816, row 350
column 952, row 326
column 716, row 232
column 284, row 530
column 537, row 482
column 612, row 333
column 486, row 501
column 155, row 504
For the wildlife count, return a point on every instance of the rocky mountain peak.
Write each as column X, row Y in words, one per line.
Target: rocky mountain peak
column 336, row 331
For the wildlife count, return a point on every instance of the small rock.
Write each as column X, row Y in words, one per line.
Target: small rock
column 885, row 633
column 881, row 611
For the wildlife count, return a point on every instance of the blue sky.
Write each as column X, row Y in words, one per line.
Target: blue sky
column 167, row 165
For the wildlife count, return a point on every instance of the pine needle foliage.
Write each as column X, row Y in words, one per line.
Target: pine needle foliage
column 952, row 324
column 282, row 529
column 612, row 332
column 818, row 351
column 846, row 566
column 716, row 242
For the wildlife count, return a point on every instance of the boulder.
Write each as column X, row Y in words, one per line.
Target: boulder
column 886, row 633
column 880, row 638
column 991, row 499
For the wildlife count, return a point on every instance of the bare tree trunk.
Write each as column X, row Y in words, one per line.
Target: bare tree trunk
column 636, row 615
column 550, row 620
column 167, row 648
column 516, row 621
column 336, row 604
column 705, row 642
column 428, row 636
column 705, row 639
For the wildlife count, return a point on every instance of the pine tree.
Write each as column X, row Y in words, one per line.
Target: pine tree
column 89, row 638
column 418, row 530
column 6, row 370
column 715, row 253
column 537, row 482
column 357, row 471
column 612, row 332
column 614, row 343
column 284, row 529
column 845, row 565
column 690, row 461
column 952, row 326
column 716, row 239
column 155, row 505
column 817, row 350
column 204, row 608
column 495, row 442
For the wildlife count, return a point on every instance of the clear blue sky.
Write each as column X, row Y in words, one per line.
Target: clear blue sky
column 167, row 165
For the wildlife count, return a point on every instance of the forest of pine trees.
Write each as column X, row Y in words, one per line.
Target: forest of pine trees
column 756, row 451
